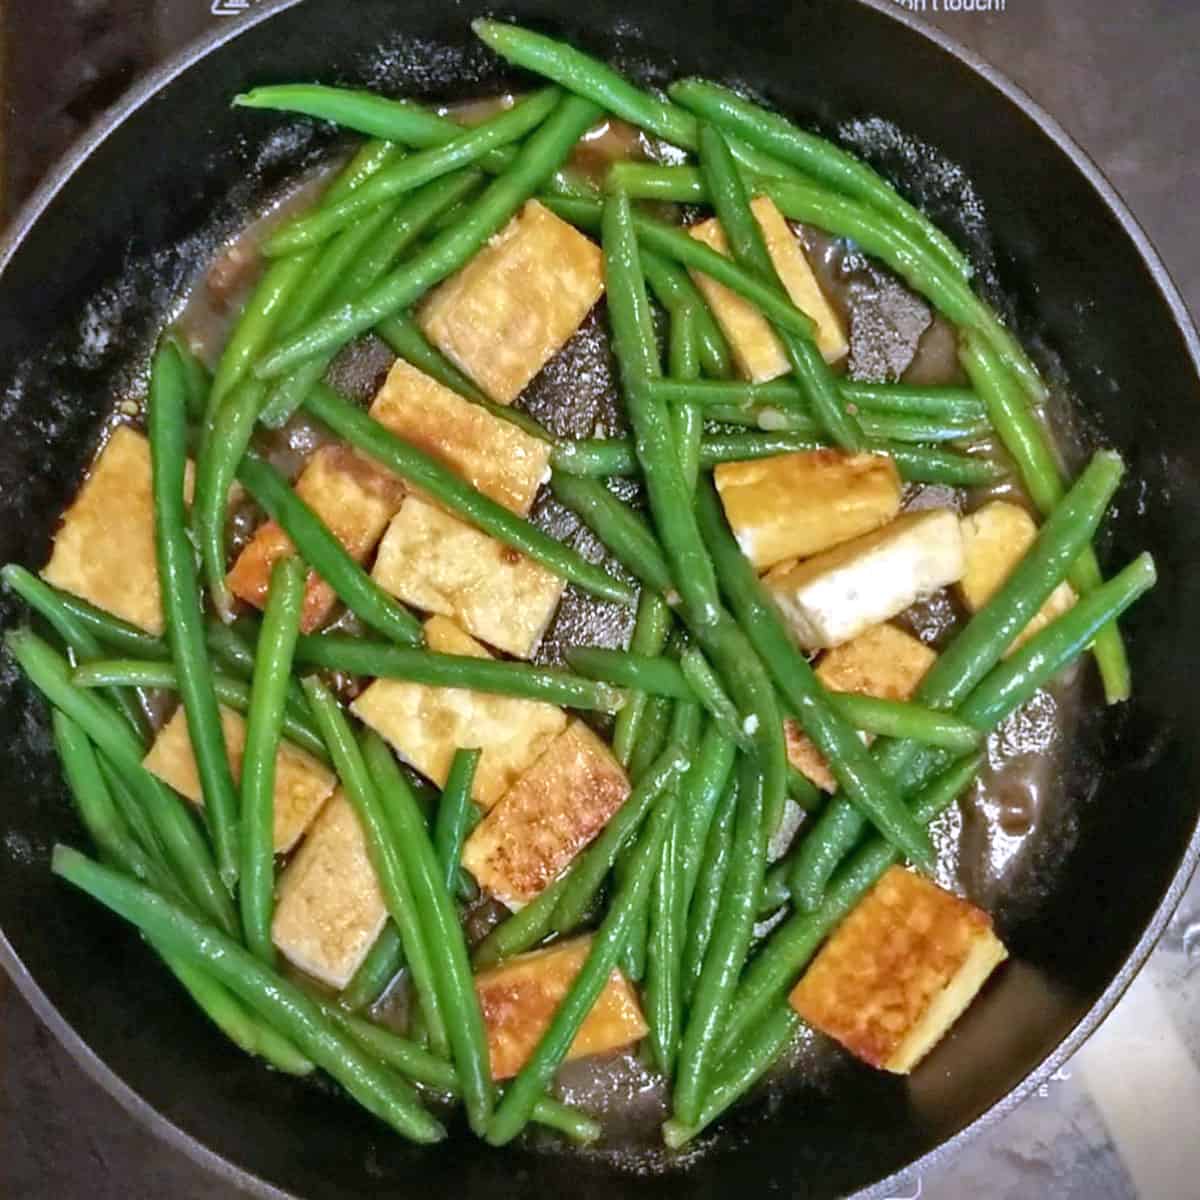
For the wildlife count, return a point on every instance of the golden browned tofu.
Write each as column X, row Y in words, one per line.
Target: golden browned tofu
column 884, row 662
column 547, row 817
column 425, row 725
column 835, row 596
column 759, row 355
column 491, row 454
column 354, row 497
column 796, row 505
column 513, row 306
column 519, row 998
column 995, row 538
column 899, row 971
column 437, row 563
column 104, row 550
column 302, row 783
column 329, row 909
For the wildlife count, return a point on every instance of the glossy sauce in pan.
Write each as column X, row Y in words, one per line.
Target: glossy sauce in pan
column 984, row 843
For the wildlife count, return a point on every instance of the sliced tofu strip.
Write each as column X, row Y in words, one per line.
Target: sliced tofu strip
column 425, row 725
column 502, row 461
column 899, row 971
column 797, row 505
column 437, row 563
column 884, row 662
column 759, row 355
column 995, row 538
column 547, row 817
column 329, row 909
column 513, row 306
column 104, row 549
column 354, row 497
column 302, row 783
column 519, row 998
column 837, row 595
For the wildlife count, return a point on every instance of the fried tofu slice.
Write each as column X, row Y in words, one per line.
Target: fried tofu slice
column 835, row 596
column 995, row 538
column 302, row 782
column 884, row 662
column 547, row 817
column 899, row 971
column 104, row 549
column 329, row 909
column 758, row 352
column 437, row 563
column 503, row 462
column 797, row 505
column 425, row 725
column 519, row 998
column 514, row 305
column 353, row 496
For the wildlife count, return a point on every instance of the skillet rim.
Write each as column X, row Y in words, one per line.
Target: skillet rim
column 174, row 66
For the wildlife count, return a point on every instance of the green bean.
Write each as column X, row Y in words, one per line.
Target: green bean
column 438, row 481
column 406, row 341
column 1022, row 673
column 326, row 555
column 383, row 851
column 413, row 216
column 1026, row 440
column 358, row 656
column 47, row 601
column 591, row 458
column 728, row 945
column 418, row 169
column 652, row 736
column 534, row 1077
column 524, row 929
column 741, row 1069
column 196, row 378
column 216, row 469
column 650, row 630
column 702, row 680
column 435, row 905
column 107, row 828
column 851, row 764
column 231, row 645
column 653, row 438
column 264, row 724
column 184, row 622
column 793, row 943
column 535, row 161
column 454, row 815
column 749, row 249
column 686, row 418
column 707, row 888
column 283, row 1003
column 658, row 676
column 954, row 405
column 904, row 719
column 675, row 291
column 589, row 870
column 420, row 1066
column 664, row 1006
column 377, row 970
column 621, row 530
column 818, row 158
column 232, row 693
column 138, row 820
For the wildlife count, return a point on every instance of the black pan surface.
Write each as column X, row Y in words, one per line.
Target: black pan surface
column 109, row 246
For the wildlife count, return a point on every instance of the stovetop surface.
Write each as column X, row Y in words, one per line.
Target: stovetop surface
column 1119, row 1122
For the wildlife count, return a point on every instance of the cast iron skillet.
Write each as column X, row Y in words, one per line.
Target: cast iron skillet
column 103, row 252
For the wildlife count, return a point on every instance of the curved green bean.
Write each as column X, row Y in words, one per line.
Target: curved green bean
column 283, row 1003
column 711, row 869
column 377, row 970
column 416, row 170
column 264, row 725
column 435, row 905
column 664, row 1004
column 420, row 469
column 166, row 421
column 534, row 163
column 326, row 555
column 675, row 291
column 650, row 630
column 454, row 815
column 384, row 852
column 358, row 656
